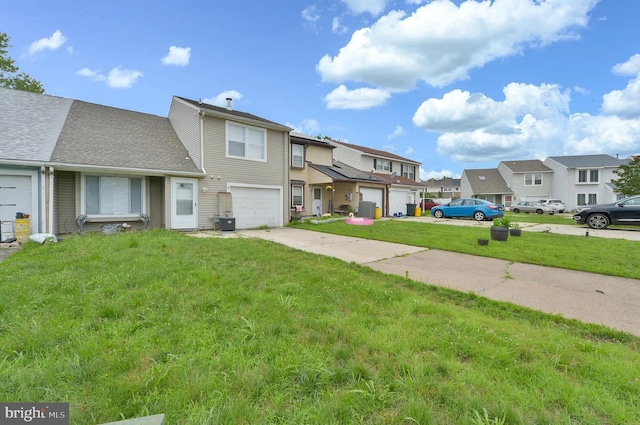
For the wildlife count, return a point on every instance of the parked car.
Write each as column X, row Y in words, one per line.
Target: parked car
column 625, row 211
column 532, row 207
column 478, row 209
column 427, row 204
column 556, row 203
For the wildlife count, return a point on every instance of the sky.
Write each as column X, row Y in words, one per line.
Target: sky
column 454, row 85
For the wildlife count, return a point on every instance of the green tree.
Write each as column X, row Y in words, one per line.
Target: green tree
column 9, row 77
column 629, row 182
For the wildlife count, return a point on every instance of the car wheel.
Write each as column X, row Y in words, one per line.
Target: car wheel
column 515, row 210
column 539, row 211
column 479, row 216
column 438, row 214
column 598, row 221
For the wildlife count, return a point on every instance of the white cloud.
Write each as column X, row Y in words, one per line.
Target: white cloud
column 178, row 56
column 310, row 15
column 390, row 148
column 122, row 78
column 440, row 42
column 52, row 43
column 94, row 75
column 409, row 151
column 221, row 99
column 117, row 78
column 531, row 122
column 308, row 126
column 374, row 7
column 399, row 131
column 624, row 103
column 433, row 174
column 362, row 98
column 628, row 68
column 337, row 27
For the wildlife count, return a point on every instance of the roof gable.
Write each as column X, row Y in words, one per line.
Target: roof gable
column 232, row 114
column 486, row 181
column 602, row 160
column 375, row 152
column 101, row 136
column 30, row 124
column 530, row 165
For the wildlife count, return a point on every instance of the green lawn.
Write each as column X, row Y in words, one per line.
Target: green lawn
column 246, row 331
column 615, row 257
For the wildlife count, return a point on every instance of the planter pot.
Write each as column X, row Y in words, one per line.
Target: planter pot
column 515, row 232
column 499, row 233
column 483, row 241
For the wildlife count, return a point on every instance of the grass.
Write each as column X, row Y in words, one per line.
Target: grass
column 614, row 257
column 244, row 331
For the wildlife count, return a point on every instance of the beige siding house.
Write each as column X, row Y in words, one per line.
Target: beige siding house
column 244, row 159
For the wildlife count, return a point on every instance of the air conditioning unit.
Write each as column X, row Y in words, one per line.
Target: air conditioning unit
column 227, row 224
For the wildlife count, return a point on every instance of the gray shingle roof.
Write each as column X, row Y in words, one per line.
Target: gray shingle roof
column 97, row 135
column 230, row 113
column 30, row 124
column 601, row 160
column 487, row 181
column 526, row 166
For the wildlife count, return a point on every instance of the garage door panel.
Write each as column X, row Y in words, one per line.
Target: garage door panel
column 398, row 200
column 372, row 195
column 255, row 206
column 15, row 196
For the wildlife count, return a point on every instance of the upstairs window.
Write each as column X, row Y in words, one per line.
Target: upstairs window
column 246, row 142
column 409, row 172
column 533, row 179
column 588, row 176
column 106, row 195
column 297, row 156
column 382, row 165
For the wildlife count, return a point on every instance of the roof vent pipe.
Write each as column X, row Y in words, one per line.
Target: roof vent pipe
column 229, row 100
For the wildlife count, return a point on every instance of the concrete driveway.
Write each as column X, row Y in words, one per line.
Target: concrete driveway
column 591, row 298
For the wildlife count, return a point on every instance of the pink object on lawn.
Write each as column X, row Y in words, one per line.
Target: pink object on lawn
column 361, row 221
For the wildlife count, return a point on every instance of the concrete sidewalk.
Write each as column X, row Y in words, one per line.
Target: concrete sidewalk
column 592, row 298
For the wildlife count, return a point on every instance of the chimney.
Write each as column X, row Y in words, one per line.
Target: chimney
column 229, row 100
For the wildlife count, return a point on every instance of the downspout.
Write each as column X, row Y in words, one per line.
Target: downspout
column 51, row 199
column 43, row 201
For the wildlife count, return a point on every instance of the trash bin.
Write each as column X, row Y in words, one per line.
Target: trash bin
column 411, row 209
column 418, row 211
column 378, row 212
column 22, row 229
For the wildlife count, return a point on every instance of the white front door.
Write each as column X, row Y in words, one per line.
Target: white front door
column 184, row 208
column 316, row 204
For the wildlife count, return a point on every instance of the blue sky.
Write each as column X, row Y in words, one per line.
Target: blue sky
column 452, row 84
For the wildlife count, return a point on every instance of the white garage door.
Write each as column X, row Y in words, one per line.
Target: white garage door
column 398, row 200
column 256, row 206
column 372, row 195
column 15, row 196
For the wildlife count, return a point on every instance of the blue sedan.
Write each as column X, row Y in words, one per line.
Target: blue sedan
column 478, row 209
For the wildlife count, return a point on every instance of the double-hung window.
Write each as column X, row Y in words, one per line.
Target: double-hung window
column 246, row 142
column 408, row 171
column 381, row 164
column 297, row 156
column 588, row 176
column 297, row 195
column 533, row 179
column 110, row 195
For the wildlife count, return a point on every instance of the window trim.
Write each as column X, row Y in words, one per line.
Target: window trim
column 245, row 127
column 405, row 171
column 302, row 156
column 379, row 164
column 533, row 179
column 130, row 215
column 588, row 174
column 301, row 186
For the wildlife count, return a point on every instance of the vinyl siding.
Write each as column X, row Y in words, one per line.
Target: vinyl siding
column 64, row 202
column 155, row 202
column 186, row 123
column 222, row 170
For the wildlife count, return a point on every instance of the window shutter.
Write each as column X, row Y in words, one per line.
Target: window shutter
column 390, row 167
column 374, row 164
